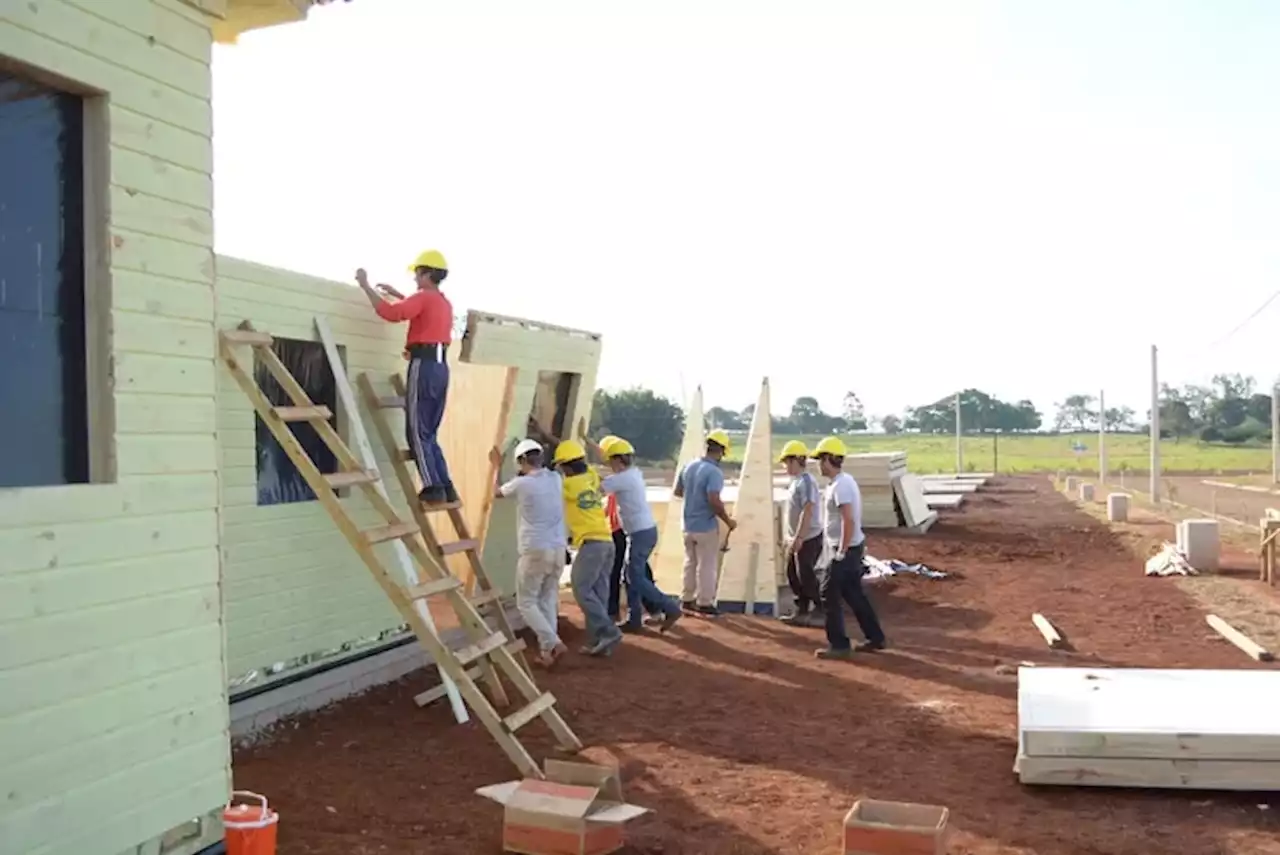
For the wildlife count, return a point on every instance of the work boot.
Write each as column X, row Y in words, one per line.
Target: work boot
column 689, row 605
column 450, row 493
column 811, row 620
column 669, row 620
column 631, row 628
column 707, row 611
column 870, row 646
column 435, row 495
column 834, row 653
column 798, row 614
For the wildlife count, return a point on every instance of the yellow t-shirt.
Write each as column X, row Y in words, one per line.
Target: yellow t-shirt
column 584, row 509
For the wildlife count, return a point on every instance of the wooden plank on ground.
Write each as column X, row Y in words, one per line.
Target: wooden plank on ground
column 1251, row 648
column 1050, row 632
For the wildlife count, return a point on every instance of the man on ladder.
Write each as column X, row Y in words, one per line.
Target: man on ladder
column 430, row 317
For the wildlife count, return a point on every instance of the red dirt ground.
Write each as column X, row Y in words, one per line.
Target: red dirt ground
column 741, row 742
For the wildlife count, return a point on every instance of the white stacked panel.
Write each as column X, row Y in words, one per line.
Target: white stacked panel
column 1115, row 727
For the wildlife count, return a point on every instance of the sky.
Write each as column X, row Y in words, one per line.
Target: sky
column 901, row 199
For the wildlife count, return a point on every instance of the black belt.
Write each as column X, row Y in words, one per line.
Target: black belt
column 429, row 352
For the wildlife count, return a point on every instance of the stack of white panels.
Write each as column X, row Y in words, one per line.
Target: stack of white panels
column 1173, row 729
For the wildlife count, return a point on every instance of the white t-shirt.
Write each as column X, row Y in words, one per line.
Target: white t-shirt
column 842, row 490
column 540, row 503
column 633, row 505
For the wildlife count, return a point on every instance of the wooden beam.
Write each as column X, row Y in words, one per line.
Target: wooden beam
column 1051, row 635
column 1251, row 648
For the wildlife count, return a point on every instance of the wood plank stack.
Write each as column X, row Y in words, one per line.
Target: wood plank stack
column 1151, row 728
column 875, row 474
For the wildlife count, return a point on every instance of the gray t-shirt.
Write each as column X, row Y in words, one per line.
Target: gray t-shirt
column 842, row 490
column 633, row 505
column 699, row 480
column 804, row 490
column 540, row 504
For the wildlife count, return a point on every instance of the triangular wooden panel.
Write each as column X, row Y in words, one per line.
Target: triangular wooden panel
column 668, row 558
column 748, row 574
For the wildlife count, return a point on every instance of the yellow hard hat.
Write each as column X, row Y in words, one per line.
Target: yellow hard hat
column 794, row 448
column 568, row 450
column 430, row 258
column 619, row 446
column 720, row 438
column 832, row 445
column 604, row 444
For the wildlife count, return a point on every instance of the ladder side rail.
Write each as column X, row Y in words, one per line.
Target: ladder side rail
column 347, row 397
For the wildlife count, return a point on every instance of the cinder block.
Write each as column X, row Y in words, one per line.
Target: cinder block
column 895, row 828
column 1118, row 507
column 1086, row 492
column 1200, row 542
column 1072, row 483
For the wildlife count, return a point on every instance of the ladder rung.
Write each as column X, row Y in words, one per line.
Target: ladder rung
column 470, row 654
column 302, row 414
column 458, row 546
column 440, row 508
column 391, row 402
column 253, row 337
column 523, row 716
column 516, row 646
column 337, row 480
column 484, row 598
column 404, row 455
column 434, row 587
column 383, row 533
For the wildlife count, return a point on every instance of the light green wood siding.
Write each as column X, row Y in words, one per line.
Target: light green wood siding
column 294, row 586
column 530, row 347
column 113, row 706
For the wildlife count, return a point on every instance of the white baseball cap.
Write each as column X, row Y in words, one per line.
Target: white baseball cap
column 527, row 445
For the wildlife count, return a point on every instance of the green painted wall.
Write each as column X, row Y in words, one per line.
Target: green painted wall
column 113, row 705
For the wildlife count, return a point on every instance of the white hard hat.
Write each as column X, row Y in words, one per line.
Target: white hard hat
column 527, row 445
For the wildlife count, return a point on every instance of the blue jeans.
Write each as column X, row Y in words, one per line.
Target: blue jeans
column 640, row 587
column 589, row 576
column 426, row 392
column 842, row 583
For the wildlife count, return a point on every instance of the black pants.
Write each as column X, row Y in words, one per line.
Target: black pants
column 615, row 578
column 842, row 583
column 803, row 576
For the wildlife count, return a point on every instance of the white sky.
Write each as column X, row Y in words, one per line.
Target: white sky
column 825, row 192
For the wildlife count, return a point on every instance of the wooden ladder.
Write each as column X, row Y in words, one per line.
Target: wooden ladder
column 489, row 597
column 488, row 651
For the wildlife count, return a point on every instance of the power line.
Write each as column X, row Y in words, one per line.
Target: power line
column 1246, row 321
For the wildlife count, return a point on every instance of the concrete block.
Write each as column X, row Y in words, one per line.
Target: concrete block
column 1200, row 542
column 1086, row 492
column 1118, row 507
column 1072, row 484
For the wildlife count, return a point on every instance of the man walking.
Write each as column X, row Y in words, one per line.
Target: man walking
column 842, row 576
column 540, row 533
column 430, row 317
column 699, row 484
column 803, row 536
column 584, row 514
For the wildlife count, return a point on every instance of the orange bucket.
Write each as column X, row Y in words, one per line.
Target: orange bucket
column 250, row 828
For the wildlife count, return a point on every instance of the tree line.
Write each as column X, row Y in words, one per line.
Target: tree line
column 1229, row 409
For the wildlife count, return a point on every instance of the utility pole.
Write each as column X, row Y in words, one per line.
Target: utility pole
column 959, row 448
column 1275, row 433
column 1102, row 437
column 1155, row 429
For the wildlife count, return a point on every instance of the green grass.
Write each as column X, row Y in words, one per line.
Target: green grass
column 1044, row 453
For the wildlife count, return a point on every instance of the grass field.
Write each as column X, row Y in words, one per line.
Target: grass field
column 1044, row 453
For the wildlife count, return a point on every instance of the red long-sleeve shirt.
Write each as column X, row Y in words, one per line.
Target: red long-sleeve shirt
column 429, row 313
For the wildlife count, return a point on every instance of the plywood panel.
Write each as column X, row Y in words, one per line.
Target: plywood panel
column 1149, row 713
column 475, row 421
column 1239, row 775
column 744, row 587
column 668, row 558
